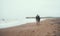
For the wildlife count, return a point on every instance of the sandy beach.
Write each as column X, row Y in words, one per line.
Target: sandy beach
column 48, row 27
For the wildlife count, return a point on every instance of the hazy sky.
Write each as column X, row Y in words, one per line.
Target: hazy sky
column 13, row 9
column 23, row 8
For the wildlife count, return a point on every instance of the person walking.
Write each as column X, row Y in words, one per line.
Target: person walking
column 37, row 19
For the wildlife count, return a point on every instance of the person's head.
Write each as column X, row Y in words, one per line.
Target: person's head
column 37, row 15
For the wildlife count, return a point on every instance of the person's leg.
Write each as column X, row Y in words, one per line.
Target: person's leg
column 37, row 22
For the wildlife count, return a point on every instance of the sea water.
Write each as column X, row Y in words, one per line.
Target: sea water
column 12, row 23
column 19, row 9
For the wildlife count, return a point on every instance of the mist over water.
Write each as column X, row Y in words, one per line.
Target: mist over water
column 12, row 9
column 20, row 9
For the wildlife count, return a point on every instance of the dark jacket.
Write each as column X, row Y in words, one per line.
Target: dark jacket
column 37, row 18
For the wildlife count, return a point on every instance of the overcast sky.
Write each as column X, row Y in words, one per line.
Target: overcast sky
column 19, row 9
column 23, row 8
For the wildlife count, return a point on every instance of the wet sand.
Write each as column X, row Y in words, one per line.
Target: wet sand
column 48, row 27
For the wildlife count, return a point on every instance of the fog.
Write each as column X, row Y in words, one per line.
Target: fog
column 23, row 8
column 19, row 9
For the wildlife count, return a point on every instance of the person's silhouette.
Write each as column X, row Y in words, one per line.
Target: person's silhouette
column 37, row 19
